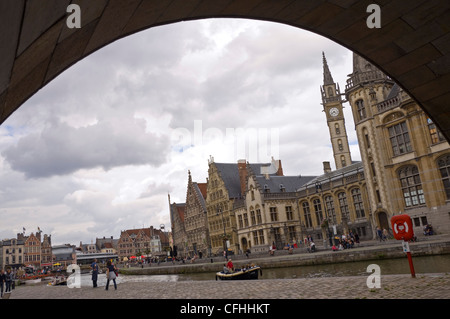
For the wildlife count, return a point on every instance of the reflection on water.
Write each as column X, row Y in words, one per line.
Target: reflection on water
column 428, row 264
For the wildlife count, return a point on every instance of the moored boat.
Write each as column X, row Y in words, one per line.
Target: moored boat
column 240, row 274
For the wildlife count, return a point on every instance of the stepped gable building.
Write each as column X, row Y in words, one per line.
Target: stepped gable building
column 195, row 219
column 179, row 236
column 406, row 160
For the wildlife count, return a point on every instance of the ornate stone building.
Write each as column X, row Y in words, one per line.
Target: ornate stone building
column 270, row 214
column 406, row 159
column 225, row 201
column 404, row 168
column 195, row 219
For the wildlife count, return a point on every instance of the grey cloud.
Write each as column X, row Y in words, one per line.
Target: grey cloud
column 61, row 149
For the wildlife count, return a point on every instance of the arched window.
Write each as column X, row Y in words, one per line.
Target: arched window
column 358, row 203
column 344, row 163
column 340, row 146
column 329, row 204
column 361, row 109
column 318, row 210
column 337, row 129
column 444, row 168
column 411, row 186
column 307, row 214
column 343, row 204
column 330, row 91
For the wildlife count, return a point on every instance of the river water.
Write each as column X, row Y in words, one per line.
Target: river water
column 425, row 264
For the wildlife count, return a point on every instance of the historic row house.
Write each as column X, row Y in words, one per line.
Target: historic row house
column 189, row 222
column 143, row 241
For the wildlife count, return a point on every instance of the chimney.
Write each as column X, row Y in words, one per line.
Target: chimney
column 326, row 167
column 242, row 168
column 280, row 169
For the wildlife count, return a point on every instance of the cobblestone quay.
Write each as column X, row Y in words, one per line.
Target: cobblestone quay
column 424, row 286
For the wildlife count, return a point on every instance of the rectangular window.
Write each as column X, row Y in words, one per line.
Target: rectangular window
column 411, row 186
column 273, row 214
column 289, row 213
column 261, row 237
column 435, row 134
column 253, row 217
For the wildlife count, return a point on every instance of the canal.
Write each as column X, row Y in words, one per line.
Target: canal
column 425, row 264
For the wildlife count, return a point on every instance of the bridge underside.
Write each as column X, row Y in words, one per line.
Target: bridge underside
column 412, row 45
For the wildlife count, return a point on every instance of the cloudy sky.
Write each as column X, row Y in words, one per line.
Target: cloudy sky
column 99, row 149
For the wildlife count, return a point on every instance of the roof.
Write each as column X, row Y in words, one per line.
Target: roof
column 336, row 174
column 394, row 92
column 278, row 184
column 229, row 173
column 201, row 198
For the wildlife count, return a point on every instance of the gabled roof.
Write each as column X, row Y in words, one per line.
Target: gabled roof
column 198, row 191
column 229, row 173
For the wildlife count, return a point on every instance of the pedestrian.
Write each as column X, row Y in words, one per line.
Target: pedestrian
column 379, row 233
column 110, row 274
column 8, row 280
column 385, row 234
column 94, row 267
column 230, row 265
column 2, row 281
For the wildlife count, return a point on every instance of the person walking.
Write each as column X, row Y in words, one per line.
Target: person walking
column 110, row 274
column 94, row 267
column 8, row 280
column 2, row 281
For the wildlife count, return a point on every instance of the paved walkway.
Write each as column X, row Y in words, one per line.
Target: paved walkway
column 424, row 286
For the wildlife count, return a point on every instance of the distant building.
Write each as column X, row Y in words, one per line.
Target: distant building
column 179, row 236
column 106, row 245
column 12, row 253
column 64, row 255
column 143, row 241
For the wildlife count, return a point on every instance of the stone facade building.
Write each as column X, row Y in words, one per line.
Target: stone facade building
column 195, row 219
column 405, row 157
column 404, row 168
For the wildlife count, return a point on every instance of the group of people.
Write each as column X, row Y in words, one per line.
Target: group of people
column 428, row 230
column 111, row 274
column 382, row 234
column 345, row 241
column 228, row 268
column 6, row 279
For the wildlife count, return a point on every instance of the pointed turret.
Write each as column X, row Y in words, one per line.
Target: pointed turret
column 327, row 78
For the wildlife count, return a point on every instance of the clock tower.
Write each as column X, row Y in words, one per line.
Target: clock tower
column 332, row 106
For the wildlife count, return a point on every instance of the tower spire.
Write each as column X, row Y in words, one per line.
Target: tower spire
column 327, row 78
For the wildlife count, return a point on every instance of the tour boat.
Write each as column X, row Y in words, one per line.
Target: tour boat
column 240, row 274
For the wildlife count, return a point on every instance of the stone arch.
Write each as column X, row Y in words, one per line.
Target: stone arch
column 38, row 45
